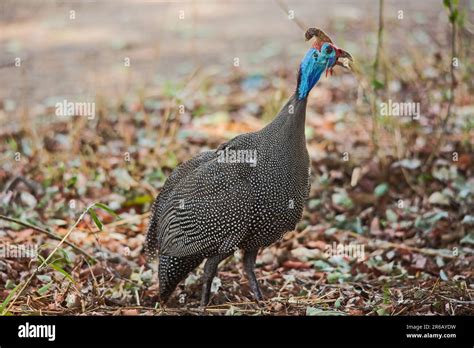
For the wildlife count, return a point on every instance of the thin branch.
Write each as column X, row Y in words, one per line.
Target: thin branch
column 285, row 9
column 45, row 261
column 381, row 244
column 374, row 133
column 50, row 234
column 66, row 235
column 452, row 88
column 379, row 41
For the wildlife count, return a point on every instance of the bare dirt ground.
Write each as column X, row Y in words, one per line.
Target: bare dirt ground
column 85, row 55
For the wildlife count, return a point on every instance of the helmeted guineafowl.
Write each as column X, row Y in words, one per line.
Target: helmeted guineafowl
column 244, row 195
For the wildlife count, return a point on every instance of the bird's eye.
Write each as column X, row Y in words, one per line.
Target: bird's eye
column 329, row 49
column 315, row 55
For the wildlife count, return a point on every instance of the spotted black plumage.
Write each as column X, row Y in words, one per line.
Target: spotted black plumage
column 208, row 208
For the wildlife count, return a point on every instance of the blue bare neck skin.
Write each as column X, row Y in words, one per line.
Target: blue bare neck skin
column 309, row 74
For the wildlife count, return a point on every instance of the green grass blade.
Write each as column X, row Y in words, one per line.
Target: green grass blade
column 107, row 209
column 8, row 299
column 95, row 218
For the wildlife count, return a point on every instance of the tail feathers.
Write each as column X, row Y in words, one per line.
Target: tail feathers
column 172, row 270
column 151, row 241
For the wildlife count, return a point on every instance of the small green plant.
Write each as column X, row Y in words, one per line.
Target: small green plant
column 94, row 216
column 4, row 304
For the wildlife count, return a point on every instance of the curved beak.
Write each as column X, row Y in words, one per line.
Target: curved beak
column 347, row 58
column 344, row 55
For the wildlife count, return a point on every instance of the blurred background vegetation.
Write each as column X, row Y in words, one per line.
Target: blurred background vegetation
column 171, row 79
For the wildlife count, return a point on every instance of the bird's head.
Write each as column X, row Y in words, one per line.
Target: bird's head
column 322, row 56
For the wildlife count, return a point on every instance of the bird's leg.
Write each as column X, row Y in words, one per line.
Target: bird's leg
column 249, row 265
column 210, row 269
